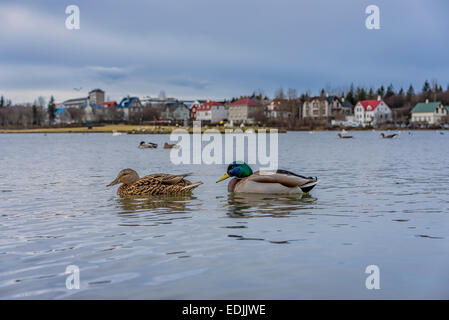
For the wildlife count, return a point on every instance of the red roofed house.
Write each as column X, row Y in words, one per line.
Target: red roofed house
column 109, row 104
column 244, row 110
column 212, row 111
column 372, row 112
column 196, row 105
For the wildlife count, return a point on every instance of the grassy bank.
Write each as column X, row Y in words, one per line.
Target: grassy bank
column 129, row 129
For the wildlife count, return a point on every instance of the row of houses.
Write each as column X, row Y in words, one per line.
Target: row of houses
column 367, row 112
column 335, row 110
column 332, row 109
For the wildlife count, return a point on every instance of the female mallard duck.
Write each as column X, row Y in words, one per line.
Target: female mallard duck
column 390, row 136
column 153, row 184
column 344, row 136
column 274, row 182
column 171, row 146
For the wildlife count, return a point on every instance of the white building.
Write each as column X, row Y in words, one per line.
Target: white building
column 211, row 111
column 372, row 112
column 278, row 109
column 316, row 108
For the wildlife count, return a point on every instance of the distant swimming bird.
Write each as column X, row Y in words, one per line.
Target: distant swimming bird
column 149, row 145
column 391, row 136
column 171, row 146
column 274, row 182
column 153, row 184
column 344, row 137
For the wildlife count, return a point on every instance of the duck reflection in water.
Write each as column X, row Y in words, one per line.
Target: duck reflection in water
column 158, row 204
column 263, row 205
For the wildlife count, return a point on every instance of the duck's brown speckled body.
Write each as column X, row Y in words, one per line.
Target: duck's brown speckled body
column 152, row 185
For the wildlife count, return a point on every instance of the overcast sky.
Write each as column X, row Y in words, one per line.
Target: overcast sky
column 218, row 49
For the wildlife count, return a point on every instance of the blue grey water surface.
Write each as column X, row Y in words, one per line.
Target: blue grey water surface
column 379, row 202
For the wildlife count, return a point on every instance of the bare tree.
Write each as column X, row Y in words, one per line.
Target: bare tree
column 41, row 102
column 114, row 114
column 292, row 94
column 76, row 114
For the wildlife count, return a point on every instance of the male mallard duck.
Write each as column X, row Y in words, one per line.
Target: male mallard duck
column 391, row 136
column 153, row 184
column 148, row 145
column 274, row 182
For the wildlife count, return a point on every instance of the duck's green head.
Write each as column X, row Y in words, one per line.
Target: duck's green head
column 237, row 169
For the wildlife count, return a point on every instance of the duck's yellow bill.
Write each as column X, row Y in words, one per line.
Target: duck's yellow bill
column 224, row 177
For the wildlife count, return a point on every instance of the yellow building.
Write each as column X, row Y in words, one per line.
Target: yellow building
column 429, row 112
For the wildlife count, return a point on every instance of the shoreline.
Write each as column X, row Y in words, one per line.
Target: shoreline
column 127, row 129
column 136, row 129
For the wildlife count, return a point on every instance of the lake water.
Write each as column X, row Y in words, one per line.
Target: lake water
column 379, row 202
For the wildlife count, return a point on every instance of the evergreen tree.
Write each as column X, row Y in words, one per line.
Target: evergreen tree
column 381, row 91
column 51, row 110
column 2, row 102
column 427, row 90
column 436, row 87
column 390, row 92
column 410, row 93
column 34, row 114
column 426, row 87
column 350, row 95
column 323, row 93
column 361, row 94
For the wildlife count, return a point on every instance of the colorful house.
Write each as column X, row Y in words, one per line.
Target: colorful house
column 194, row 109
column 176, row 111
column 429, row 112
column 316, row 108
column 130, row 105
column 244, row 110
column 62, row 115
column 329, row 107
column 372, row 112
column 211, row 111
column 278, row 109
column 109, row 104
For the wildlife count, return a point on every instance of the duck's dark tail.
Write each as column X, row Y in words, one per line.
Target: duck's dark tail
column 309, row 185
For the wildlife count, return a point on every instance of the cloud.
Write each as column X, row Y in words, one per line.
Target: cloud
column 188, row 82
column 107, row 74
column 212, row 49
